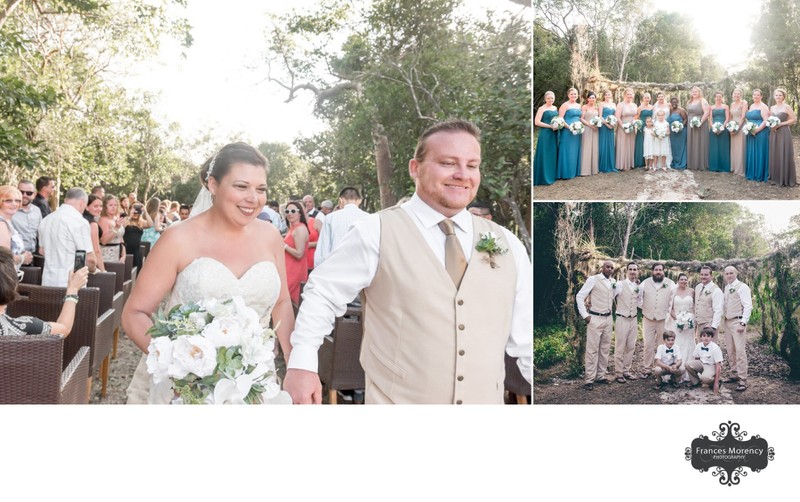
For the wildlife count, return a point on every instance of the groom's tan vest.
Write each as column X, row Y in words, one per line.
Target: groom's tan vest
column 704, row 304
column 655, row 300
column 626, row 300
column 425, row 341
column 733, row 302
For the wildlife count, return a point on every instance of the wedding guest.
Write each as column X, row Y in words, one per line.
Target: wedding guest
column 546, row 157
column 113, row 226
column 28, row 217
column 644, row 111
column 296, row 248
column 757, row 164
column 737, row 309
column 625, row 141
column 598, row 291
column 656, row 292
column 338, row 223
column 708, row 301
column 326, row 207
column 138, row 223
column 719, row 142
column 662, row 150
column 569, row 146
column 183, row 212
column 10, row 238
column 697, row 137
column 124, row 206
column 25, row 325
column 677, row 140
column 706, row 367
column 45, row 186
column 427, row 314
column 669, row 365
column 314, row 226
column 152, row 233
column 63, row 233
column 98, row 191
column 738, row 111
column 781, row 151
column 628, row 299
column 308, row 204
column 589, row 146
column 94, row 208
column 606, row 154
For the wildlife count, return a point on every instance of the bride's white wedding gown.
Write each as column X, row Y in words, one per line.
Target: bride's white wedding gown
column 684, row 338
column 205, row 278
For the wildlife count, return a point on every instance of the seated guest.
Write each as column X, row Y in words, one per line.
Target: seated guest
column 28, row 217
column 10, row 199
column 25, row 325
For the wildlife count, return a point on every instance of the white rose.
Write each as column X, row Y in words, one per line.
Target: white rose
column 159, row 358
column 198, row 319
column 192, row 354
column 224, row 331
column 217, row 308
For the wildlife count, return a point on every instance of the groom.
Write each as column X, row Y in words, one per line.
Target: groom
column 439, row 313
column 708, row 301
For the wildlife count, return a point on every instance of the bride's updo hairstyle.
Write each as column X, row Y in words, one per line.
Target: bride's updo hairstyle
column 219, row 164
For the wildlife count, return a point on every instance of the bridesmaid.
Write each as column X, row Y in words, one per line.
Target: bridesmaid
column 677, row 140
column 661, row 104
column 544, row 162
column 569, row 145
column 589, row 146
column 645, row 110
column 626, row 112
column 606, row 135
column 697, row 137
column 738, row 110
column 781, row 152
column 757, row 165
column 719, row 144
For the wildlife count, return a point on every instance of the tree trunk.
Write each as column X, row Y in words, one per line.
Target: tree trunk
column 524, row 235
column 385, row 169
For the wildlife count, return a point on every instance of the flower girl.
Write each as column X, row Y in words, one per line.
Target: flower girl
column 649, row 143
column 661, row 147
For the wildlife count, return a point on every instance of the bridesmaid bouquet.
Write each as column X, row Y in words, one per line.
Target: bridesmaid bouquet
column 732, row 126
column 677, row 126
column 717, row 127
column 214, row 352
column 695, row 122
column 628, row 127
column 773, row 121
column 596, row 121
column 576, row 128
column 558, row 122
column 749, row 128
column 660, row 130
column 638, row 125
column 612, row 120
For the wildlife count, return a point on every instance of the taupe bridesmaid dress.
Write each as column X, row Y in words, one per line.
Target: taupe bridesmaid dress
column 589, row 147
column 625, row 142
column 781, row 155
column 696, row 139
column 737, row 140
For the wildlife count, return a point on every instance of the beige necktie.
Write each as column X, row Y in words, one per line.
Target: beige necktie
column 454, row 260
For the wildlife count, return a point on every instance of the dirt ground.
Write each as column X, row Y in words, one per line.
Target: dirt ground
column 768, row 384
column 637, row 184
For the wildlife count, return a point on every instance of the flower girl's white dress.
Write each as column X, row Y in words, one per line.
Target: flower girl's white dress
column 207, row 278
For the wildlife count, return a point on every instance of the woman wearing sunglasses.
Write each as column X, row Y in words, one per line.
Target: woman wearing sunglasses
column 10, row 199
column 296, row 246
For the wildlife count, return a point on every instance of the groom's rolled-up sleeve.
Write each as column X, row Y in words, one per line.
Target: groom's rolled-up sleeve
column 331, row 286
column 520, row 340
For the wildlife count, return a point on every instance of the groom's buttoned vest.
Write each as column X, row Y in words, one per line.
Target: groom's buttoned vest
column 425, row 341
column 733, row 302
column 626, row 299
column 601, row 297
column 655, row 299
column 704, row 303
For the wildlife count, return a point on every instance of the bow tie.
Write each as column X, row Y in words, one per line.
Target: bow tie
column 704, row 348
column 669, row 350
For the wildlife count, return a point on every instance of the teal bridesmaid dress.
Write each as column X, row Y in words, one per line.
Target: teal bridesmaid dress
column 638, row 149
column 607, row 154
column 719, row 146
column 544, row 162
column 569, row 148
column 757, row 166
column 677, row 141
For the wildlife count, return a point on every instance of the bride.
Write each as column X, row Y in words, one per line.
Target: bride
column 682, row 314
column 222, row 252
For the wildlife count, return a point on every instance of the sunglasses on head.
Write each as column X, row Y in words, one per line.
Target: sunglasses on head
column 291, row 211
column 25, row 192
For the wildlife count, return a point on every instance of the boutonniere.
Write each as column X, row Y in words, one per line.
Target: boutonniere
column 664, row 286
column 707, row 292
column 613, row 284
column 490, row 244
column 731, row 290
column 636, row 289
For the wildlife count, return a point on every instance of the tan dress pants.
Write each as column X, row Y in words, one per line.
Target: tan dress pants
column 625, row 332
column 699, row 372
column 598, row 345
column 735, row 344
column 652, row 331
column 660, row 372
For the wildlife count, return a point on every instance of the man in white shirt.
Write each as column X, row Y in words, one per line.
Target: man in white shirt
column 628, row 300
column 61, row 234
column 28, row 218
column 431, row 333
column 738, row 306
column 708, row 301
column 656, row 294
column 599, row 290
column 338, row 223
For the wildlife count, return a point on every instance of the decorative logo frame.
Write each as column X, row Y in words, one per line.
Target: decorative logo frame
column 729, row 453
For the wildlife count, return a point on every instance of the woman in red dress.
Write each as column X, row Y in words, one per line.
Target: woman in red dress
column 296, row 247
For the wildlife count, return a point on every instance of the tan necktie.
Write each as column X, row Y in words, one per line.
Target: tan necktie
column 454, row 260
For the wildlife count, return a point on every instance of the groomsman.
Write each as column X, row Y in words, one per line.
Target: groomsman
column 738, row 306
column 629, row 300
column 656, row 291
column 599, row 290
column 708, row 300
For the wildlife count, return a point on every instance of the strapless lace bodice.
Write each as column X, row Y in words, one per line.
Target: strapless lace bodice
column 683, row 304
column 206, row 277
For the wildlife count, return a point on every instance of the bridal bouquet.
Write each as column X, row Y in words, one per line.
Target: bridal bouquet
column 717, row 127
column 749, row 128
column 695, row 122
column 677, row 126
column 732, row 126
column 576, row 128
column 558, row 122
column 596, row 121
column 214, row 352
column 684, row 319
column 773, row 121
column 612, row 120
column 628, row 127
column 638, row 125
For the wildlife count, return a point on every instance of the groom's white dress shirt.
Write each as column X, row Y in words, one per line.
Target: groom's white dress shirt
column 354, row 264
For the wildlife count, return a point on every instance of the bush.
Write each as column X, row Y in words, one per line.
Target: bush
column 550, row 346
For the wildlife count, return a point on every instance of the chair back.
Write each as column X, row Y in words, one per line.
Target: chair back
column 339, row 366
column 30, row 369
column 31, row 275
